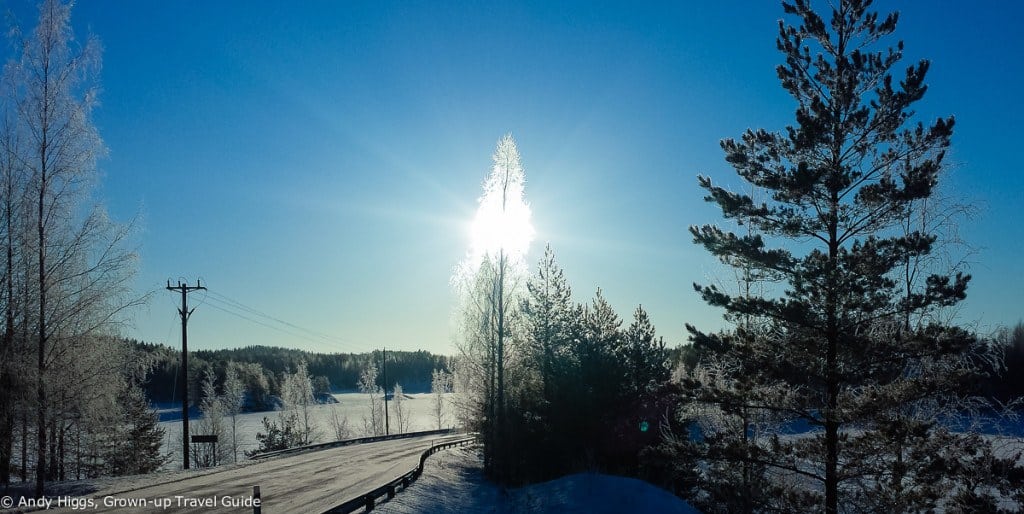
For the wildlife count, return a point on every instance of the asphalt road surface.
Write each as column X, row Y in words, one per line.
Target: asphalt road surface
column 305, row 483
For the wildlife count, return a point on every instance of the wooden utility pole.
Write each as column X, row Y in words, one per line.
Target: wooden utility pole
column 387, row 424
column 185, row 289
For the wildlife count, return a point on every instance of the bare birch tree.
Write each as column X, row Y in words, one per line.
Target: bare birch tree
column 211, row 424
column 490, row 282
column 403, row 418
column 12, row 386
column 338, row 421
column 440, row 387
column 233, row 401
column 373, row 425
column 81, row 267
column 297, row 393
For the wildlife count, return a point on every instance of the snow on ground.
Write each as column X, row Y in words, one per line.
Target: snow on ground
column 352, row 406
column 305, row 482
column 453, row 481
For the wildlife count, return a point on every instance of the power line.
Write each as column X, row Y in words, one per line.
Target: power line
column 256, row 316
column 283, row 328
column 263, row 324
column 240, row 305
column 232, row 309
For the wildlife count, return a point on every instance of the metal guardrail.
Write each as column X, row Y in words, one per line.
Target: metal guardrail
column 346, row 442
column 369, row 500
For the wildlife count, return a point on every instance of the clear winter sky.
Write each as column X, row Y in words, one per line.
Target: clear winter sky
column 321, row 161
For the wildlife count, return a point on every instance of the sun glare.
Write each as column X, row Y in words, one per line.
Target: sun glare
column 495, row 228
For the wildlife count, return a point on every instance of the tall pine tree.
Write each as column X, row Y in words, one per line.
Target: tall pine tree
column 548, row 309
column 871, row 385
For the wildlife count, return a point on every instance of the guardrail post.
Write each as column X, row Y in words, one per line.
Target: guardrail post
column 369, row 502
column 257, row 504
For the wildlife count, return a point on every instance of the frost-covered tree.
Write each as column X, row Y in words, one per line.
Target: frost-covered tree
column 233, row 402
column 297, row 395
column 373, row 420
column 13, row 384
column 489, row 282
column 466, row 404
column 440, row 388
column 403, row 418
column 295, row 424
column 836, row 346
column 75, row 265
column 321, row 386
column 338, row 421
column 88, row 398
column 212, row 407
column 257, row 385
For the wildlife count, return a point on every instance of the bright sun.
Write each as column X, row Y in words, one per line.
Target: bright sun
column 495, row 228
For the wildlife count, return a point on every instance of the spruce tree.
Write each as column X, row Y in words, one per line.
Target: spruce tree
column 548, row 309
column 137, row 444
column 644, row 355
column 849, row 353
column 600, row 395
column 552, row 409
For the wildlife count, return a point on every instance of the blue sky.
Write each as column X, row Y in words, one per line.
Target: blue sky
column 320, row 161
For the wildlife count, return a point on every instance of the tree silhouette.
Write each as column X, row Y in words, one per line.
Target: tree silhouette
column 836, row 337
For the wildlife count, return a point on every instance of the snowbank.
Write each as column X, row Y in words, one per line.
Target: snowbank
column 453, row 481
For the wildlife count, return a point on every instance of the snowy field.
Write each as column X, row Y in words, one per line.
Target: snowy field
column 453, row 481
column 354, row 406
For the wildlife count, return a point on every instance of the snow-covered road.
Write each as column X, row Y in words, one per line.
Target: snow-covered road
column 307, row 482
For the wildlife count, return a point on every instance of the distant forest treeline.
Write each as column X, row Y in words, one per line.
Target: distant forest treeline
column 261, row 368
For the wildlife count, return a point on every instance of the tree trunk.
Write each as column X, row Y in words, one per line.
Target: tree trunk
column 24, row 445
column 831, row 363
column 6, row 408
column 40, row 431
column 490, row 438
column 26, row 406
column 78, row 450
column 7, row 382
column 60, row 454
column 51, row 468
column 499, row 421
column 41, row 346
column 6, row 442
